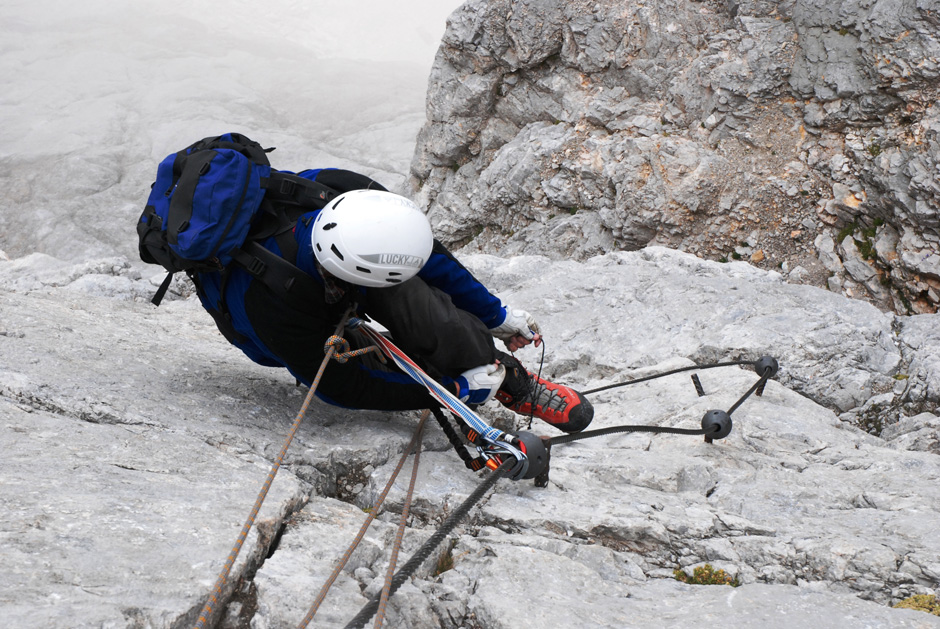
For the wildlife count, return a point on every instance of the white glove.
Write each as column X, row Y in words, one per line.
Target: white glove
column 479, row 385
column 516, row 322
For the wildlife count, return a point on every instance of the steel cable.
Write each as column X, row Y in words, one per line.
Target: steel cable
column 432, row 542
column 732, row 363
column 458, row 514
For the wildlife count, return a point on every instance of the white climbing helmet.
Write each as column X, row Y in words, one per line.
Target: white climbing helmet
column 372, row 238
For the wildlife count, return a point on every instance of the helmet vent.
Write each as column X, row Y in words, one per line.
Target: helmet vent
column 329, row 226
column 362, row 269
column 336, row 251
column 393, row 273
column 392, row 280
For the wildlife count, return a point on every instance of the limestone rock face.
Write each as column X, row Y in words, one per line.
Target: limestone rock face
column 135, row 440
column 800, row 135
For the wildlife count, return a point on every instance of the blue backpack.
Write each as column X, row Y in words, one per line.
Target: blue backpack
column 214, row 201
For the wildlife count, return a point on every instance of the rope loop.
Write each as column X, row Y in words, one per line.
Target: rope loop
column 341, row 346
column 342, row 352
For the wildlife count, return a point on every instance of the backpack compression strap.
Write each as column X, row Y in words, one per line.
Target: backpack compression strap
column 191, row 168
column 286, row 281
column 293, row 190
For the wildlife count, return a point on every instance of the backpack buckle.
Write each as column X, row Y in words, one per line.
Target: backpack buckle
column 255, row 266
column 287, row 187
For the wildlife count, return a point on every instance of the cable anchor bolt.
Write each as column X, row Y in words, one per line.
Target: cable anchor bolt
column 718, row 423
column 766, row 367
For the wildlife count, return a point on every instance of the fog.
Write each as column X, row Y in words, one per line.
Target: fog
column 94, row 94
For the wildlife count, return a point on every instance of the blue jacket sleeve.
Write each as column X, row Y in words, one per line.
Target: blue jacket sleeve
column 445, row 272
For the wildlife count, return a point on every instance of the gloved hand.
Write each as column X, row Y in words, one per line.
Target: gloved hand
column 479, row 385
column 518, row 329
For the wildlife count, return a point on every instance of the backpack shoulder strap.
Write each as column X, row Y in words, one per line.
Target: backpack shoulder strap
column 287, row 197
column 287, row 281
column 297, row 191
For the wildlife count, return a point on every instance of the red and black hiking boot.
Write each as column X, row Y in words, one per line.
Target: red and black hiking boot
column 526, row 394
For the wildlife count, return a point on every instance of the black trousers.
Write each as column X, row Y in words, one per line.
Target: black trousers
column 424, row 322
column 421, row 319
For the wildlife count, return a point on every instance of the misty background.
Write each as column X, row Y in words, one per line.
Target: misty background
column 93, row 95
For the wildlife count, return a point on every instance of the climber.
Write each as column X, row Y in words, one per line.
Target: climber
column 375, row 249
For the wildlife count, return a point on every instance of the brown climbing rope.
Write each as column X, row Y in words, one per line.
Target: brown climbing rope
column 216, row 594
column 413, row 445
column 400, row 533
